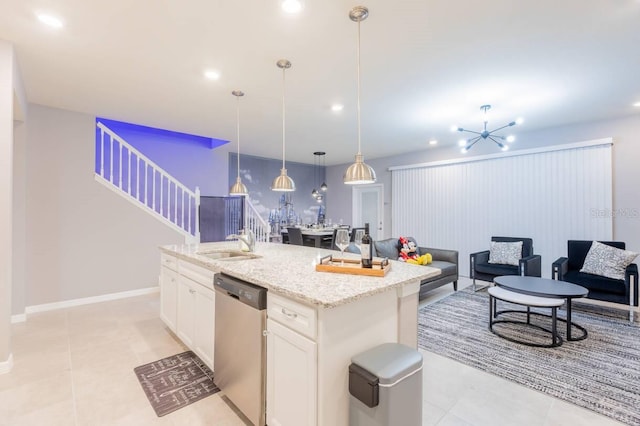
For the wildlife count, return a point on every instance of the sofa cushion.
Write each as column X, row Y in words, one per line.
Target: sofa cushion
column 607, row 261
column 595, row 282
column 387, row 248
column 505, row 253
column 447, row 268
column 353, row 248
column 496, row 269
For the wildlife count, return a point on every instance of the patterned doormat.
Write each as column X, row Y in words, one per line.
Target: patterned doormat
column 175, row 382
column 601, row 373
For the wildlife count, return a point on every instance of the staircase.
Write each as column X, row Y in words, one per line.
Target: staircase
column 129, row 173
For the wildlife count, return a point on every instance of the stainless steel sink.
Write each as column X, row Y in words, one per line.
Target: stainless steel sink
column 228, row 255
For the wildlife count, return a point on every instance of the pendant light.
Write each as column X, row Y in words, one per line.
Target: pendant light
column 238, row 188
column 324, row 186
column 283, row 182
column 315, row 192
column 359, row 172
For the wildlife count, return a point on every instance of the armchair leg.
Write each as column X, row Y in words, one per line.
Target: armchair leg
column 631, row 300
column 455, row 286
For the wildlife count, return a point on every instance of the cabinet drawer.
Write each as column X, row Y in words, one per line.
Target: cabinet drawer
column 169, row 261
column 296, row 316
column 197, row 273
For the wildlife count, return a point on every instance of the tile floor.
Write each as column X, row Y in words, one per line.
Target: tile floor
column 74, row 367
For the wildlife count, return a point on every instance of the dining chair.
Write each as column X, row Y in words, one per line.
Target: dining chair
column 295, row 236
column 353, row 234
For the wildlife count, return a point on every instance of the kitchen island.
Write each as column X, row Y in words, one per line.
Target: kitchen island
column 316, row 320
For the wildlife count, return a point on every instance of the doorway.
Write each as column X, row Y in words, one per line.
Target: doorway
column 368, row 208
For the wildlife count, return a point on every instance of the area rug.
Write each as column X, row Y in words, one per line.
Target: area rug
column 601, row 373
column 175, row 382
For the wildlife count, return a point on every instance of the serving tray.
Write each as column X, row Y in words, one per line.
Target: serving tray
column 353, row 266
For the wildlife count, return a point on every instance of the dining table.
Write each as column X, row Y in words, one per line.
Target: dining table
column 318, row 237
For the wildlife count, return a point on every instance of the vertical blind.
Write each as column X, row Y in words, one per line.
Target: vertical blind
column 551, row 196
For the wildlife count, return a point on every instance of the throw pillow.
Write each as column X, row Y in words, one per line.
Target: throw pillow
column 505, row 253
column 607, row 261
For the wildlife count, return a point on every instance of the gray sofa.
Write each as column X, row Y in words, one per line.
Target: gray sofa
column 445, row 260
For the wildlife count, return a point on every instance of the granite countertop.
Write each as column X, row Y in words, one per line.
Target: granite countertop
column 290, row 270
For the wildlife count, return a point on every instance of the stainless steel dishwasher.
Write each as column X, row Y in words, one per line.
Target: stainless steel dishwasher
column 239, row 361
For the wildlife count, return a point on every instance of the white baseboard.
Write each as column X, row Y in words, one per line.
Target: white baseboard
column 6, row 366
column 18, row 318
column 89, row 300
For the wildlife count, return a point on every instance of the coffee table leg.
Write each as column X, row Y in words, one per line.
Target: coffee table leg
column 568, row 319
column 570, row 324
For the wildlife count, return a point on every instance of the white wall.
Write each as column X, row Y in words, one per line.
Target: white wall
column 82, row 239
column 6, row 200
column 19, row 216
column 626, row 170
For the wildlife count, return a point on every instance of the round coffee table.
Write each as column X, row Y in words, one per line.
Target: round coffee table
column 544, row 287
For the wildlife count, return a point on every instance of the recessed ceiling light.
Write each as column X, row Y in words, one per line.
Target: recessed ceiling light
column 49, row 20
column 337, row 107
column 433, row 142
column 637, row 104
column 291, row 6
column 212, row 74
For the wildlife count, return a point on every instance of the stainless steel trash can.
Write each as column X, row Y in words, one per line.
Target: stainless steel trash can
column 385, row 386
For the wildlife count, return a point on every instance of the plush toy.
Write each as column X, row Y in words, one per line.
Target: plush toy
column 407, row 249
column 409, row 253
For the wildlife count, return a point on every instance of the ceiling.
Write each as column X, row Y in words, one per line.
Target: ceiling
column 425, row 65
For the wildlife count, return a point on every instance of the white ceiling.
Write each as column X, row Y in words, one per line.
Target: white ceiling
column 426, row 65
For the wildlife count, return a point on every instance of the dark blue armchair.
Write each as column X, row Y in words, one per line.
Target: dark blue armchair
column 600, row 288
column 529, row 264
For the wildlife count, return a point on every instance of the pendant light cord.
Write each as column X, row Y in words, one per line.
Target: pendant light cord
column 358, row 79
column 238, row 130
column 283, row 118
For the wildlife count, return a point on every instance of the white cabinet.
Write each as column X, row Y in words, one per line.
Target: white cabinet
column 187, row 304
column 204, row 324
column 186, row 326
column 196, row 316
column 168, row 297
column 291, row 368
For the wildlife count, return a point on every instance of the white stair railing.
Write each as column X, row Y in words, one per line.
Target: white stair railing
column 255, row 222
column 124, row 169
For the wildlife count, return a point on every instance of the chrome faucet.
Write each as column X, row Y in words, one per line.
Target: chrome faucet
column 246, row 238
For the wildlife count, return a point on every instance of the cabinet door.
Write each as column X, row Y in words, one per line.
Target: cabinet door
column 291, row 377
column 168, row 297
column 204, row 324
column 186, row 311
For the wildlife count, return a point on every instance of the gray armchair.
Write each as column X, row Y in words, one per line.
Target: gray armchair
column 529, row 264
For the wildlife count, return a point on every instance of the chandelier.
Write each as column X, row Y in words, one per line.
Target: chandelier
column 487, row 134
